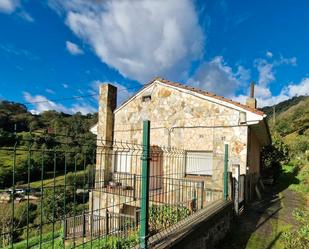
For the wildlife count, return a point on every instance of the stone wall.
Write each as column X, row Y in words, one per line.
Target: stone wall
column 187, row 122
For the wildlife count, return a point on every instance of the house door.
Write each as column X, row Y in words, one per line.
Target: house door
column 156, row 168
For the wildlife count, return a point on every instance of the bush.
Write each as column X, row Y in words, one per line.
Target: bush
column 161, row 217
column 273, row 156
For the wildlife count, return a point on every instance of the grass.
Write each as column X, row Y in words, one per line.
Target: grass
column 110, row 242
column 59, row 180
column 34, row 241
column 302, row 186
column 272, row 240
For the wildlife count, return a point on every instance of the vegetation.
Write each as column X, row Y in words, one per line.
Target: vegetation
column 34, row 134
column 291, row 123
column 163, row 216
column 299, row 238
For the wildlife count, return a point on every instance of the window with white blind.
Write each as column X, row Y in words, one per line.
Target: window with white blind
column 122, row 162
column 199, row 162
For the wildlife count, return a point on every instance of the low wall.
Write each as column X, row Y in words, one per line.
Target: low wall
column 204, row 229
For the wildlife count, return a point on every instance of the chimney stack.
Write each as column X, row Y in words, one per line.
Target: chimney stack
column 107, row 105
column 251, row 101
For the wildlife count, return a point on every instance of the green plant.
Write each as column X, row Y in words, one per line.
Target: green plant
column 163, row 216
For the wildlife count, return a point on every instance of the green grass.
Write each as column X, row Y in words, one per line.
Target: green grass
column 303, row 177
column 59, row 180
column 34, row 241
column 272, row 240
column 110, row 242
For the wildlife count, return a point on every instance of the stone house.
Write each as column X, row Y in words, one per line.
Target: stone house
column 197, row 122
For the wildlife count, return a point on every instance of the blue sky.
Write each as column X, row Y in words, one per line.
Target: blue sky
column 57, row 49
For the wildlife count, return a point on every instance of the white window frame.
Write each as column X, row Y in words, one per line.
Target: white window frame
column 200, row 158
column 122, row 161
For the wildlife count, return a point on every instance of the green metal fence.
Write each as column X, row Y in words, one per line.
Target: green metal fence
column 71, row 195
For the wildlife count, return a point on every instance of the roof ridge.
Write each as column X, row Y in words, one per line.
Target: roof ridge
column 209, row 94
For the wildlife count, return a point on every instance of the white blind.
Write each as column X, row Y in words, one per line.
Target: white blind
column 199, row 163
column 122, row 162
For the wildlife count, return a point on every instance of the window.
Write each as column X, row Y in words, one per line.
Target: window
column 199, row 163
column 122, row 162
column 146, row 98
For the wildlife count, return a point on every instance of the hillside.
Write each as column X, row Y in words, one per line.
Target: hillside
column 50, row 129
column 291, row 122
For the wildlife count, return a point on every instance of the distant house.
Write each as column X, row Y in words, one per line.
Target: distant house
column 195, row 121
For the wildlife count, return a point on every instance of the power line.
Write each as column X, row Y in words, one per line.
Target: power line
column 76, row 97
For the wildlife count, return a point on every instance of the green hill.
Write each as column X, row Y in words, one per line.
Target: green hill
column 48, row 130
column 291, row 122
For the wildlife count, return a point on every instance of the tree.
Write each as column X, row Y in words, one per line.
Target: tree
column 273, row 156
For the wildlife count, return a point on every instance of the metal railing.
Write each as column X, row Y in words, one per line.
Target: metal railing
column 66, row 195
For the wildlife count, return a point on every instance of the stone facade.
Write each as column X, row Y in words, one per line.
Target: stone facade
column 182, row 119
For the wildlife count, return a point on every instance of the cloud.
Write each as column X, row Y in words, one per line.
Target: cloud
column 73, row 48
column 218, row 77
column 26, row 16
column 12, row 50
column 40, row 104
column 9, row 6
column 65, row 85
column 266, row 68
column 140, row 39
column 269, row 54
column 49, row 91
column 14, row 6
column 265, row 98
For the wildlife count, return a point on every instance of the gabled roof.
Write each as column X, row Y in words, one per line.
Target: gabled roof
column 195, row 90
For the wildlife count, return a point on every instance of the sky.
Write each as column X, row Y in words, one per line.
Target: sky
column 50, row 50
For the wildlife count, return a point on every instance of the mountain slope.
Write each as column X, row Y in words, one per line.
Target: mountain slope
column 291, row 121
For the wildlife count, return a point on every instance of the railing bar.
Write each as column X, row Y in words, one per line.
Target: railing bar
column 42, row 193
column 54, row 199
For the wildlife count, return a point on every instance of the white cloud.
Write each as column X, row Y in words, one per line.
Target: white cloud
column 9, row 6
column 73, row 48
column 26, row 16
column 141, row 39
column 40, row 104
column 14, row 6
column 266, row 68
column 48, row 90
column 218, row 77
column 83, row 108
column 265, row 98
column 269, row 54
column 65, row 85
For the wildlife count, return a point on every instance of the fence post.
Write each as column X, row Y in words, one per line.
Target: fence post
column 145, row 185
column 225, row 176
column 106, row 222
column 134, row 187
column 84, row 224
column 202, row 194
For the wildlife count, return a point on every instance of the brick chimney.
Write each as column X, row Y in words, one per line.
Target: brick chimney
column 251, row 101
column 107, row 105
